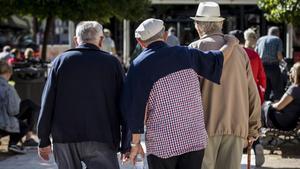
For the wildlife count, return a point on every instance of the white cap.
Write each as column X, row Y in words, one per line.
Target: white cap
column 208, row 11
column 149, row 28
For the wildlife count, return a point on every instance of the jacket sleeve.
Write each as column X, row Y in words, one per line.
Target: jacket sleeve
column 254, row 103
column 125, row 132
column 13, row 102
column 207, row 64
column 47, row 107
column 134, row 99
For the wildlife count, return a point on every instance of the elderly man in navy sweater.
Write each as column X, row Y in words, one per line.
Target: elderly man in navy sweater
column 80, row 104
column 162, row 91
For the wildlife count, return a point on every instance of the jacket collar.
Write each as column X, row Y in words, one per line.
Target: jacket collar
column 156, row 45
column 213, row 34
column 88, row 46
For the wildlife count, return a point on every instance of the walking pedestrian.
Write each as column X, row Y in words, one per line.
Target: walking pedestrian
column 80, row 104
column 232, row 109
column 5, row 54
column 172, row 39
column 162, row 91
column 270, row 49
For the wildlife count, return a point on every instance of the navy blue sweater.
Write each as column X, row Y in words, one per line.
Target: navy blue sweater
column 80, row 101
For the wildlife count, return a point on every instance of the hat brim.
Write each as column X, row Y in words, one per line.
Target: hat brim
column 208, row 18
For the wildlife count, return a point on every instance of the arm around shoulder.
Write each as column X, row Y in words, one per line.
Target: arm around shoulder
column 227, row 49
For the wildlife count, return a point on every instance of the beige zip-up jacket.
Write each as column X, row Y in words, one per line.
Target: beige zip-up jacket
column 232, row 108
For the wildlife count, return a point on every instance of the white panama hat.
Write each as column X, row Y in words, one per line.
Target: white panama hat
column 208, row 11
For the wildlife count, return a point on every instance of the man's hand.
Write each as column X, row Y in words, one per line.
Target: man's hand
column 252, row 139
column 227, row 49
column 44, row 153
column 125, row 157
column 138, row 149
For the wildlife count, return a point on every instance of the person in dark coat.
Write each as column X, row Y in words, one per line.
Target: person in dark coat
column 80, row 104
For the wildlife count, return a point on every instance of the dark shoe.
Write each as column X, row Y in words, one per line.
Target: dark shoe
column 16, row 149
column 259, row 155
column 30, row 143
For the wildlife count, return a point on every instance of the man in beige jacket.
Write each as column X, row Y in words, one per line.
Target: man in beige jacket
column 232, row 109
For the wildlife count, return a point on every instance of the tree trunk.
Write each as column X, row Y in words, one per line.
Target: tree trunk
column 49, row 23
column 35, row 28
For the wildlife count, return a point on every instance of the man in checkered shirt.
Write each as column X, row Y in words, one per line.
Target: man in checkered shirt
column 162, row 90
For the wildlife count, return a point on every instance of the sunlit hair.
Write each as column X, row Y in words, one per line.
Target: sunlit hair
column 296, row 69
column 89, row 31
column 274, row 30
column 15, row 52
column 210, row 27
column 250, row 34
column 28, row 53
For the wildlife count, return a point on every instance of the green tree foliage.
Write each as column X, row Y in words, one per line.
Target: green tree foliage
column 75, row 10
column 281, row 11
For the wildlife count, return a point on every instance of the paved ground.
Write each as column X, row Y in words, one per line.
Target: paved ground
column 31, row 161
column 287, row 158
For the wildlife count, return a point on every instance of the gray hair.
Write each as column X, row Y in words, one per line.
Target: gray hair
column 250, row 34
column 274, row 30
column 89, row 31
column 5, row 67
column 210, row 27
column 159, row 35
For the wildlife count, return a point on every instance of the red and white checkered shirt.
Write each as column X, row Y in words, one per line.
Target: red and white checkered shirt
column 175, row 121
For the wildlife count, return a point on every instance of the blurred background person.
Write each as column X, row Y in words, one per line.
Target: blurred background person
column 29, row 56
column 256, row 63
column 285, row 113
column 108, row 44
column 172, row 39
column 270, row 49
column 16, row 56
column 5, row 54
column 17, row 118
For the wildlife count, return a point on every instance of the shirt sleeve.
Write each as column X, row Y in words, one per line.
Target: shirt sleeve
column 207, row 64
column 47, row 107
column 294, row 91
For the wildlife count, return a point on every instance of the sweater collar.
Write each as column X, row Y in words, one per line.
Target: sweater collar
column 213, row 34
column 156, row 45
column 88, row 46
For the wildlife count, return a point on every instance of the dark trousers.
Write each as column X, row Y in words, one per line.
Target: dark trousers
column 275, row 88
column 29, row 112
column 191, row 160
column 27, row 120
column 14, row 138
column 94, row 155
